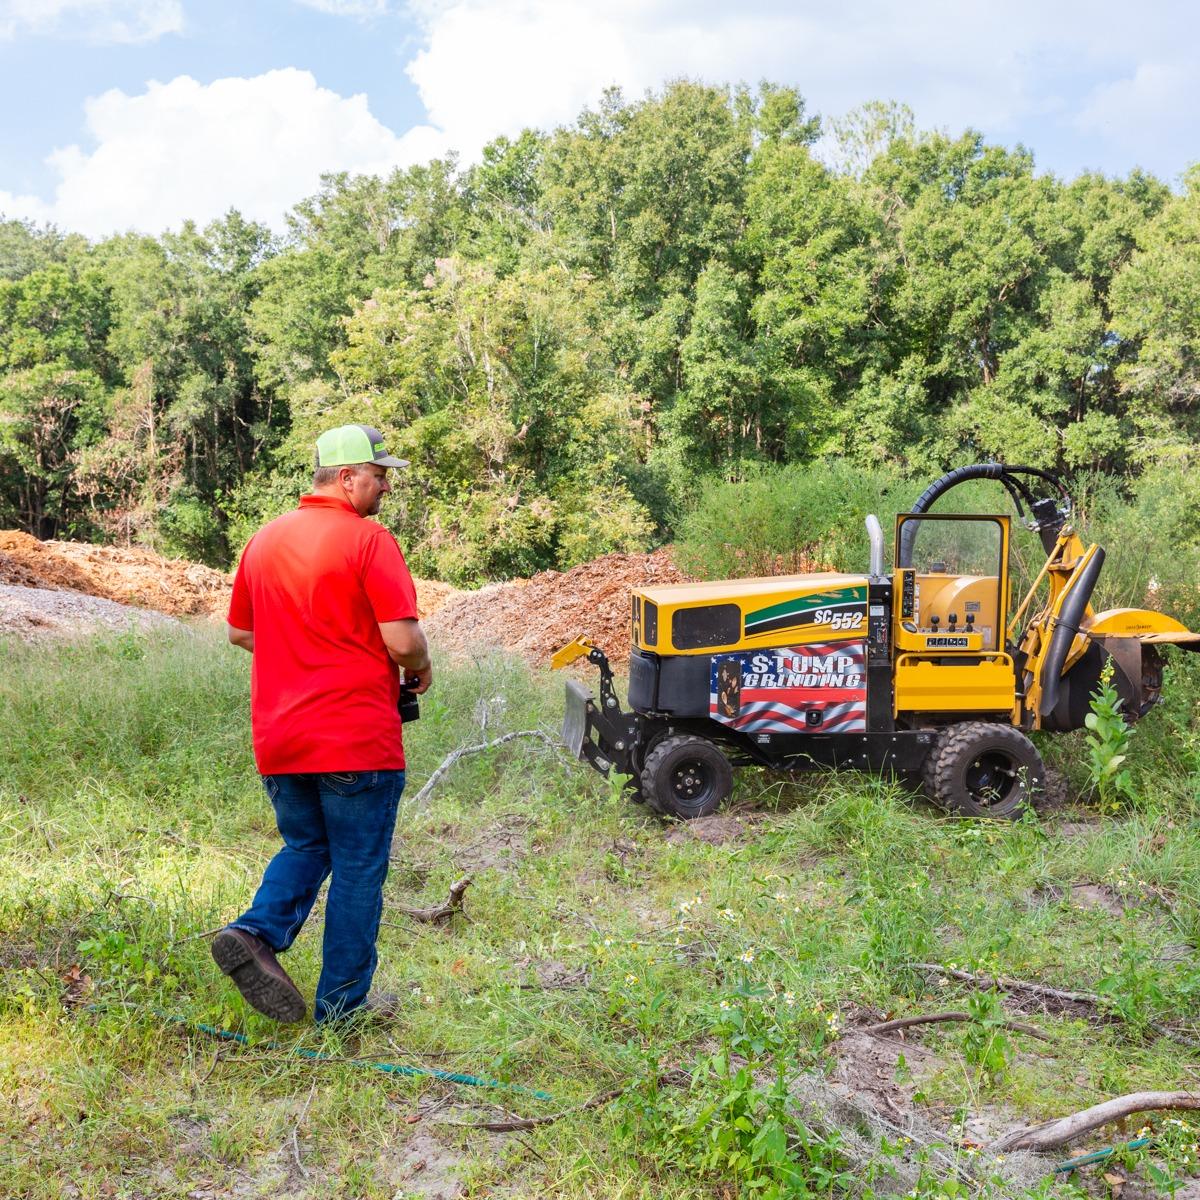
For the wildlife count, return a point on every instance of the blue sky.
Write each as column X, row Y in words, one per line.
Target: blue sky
column 140, row 113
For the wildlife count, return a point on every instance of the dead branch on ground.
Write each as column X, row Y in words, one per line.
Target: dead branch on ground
column 191, row 937
column 938, row 1018
column 419, row 799
column 296, row 1131
column 518, row 1123
column 1010, row 985
column 440, row 912
column 1049, row 1135
column 1089, row 1000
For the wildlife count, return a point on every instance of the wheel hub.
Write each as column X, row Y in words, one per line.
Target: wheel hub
column 991, row 777
column 689, row 779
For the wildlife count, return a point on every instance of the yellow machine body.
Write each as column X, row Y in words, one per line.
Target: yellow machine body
column 746, row 614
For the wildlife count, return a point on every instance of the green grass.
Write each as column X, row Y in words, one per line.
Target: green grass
column 132, row 822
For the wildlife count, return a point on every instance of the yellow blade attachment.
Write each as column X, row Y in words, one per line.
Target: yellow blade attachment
column 570, row 652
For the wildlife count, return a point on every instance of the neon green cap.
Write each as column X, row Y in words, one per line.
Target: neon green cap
column 348, row 445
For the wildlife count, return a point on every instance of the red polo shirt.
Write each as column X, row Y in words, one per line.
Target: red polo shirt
column 314, row 585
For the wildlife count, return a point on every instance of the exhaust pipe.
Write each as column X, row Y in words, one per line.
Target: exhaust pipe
column 875, row 533
column 1066, row 626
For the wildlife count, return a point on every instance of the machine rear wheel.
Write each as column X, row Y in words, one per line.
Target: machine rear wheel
column 686, row 777
column 978, row 769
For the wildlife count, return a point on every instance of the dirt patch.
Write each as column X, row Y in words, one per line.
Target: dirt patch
column 717, row 830
column 1077, row 829
column 1044, row 895
column 549, row 974
column 1096, row 896
column 429, row 1167
column 500, row 848
column 868, row 1067
column 537, row 616
column 125, row 575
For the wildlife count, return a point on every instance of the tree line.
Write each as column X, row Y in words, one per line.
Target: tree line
column 572, row 337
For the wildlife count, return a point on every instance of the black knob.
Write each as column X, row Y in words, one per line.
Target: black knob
column 933, row 621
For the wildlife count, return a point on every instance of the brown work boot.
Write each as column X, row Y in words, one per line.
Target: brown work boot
column 386, row 1005
column 256, row 973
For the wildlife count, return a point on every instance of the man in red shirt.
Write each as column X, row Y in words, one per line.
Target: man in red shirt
column 324, row 602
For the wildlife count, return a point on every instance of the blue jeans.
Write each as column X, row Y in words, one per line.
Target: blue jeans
column 339, row 824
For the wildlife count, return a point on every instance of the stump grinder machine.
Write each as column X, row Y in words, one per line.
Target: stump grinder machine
column 921, row 671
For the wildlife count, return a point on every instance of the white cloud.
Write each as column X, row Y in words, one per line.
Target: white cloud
column 92, row 20
column 1022, row 69
column 493, row 66
column 361, row 9
column 1148, row 113
column 185, row 149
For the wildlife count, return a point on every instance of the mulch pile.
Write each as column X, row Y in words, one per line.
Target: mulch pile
column 531, row 617
column 534, row 617
column 138, row 577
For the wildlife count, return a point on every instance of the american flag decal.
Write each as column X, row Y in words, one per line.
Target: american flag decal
column 792, row 689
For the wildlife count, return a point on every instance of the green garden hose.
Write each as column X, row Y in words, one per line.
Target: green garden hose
column 228, row 1035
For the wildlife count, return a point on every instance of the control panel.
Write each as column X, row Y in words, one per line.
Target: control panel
column 940, row 612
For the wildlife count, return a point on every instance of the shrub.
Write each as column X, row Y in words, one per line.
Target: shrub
column 784, row 519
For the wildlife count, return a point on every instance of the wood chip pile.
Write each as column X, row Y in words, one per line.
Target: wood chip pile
column 534, row 617
column 531, row 617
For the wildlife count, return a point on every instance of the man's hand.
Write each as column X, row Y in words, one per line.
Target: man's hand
column 418, row 682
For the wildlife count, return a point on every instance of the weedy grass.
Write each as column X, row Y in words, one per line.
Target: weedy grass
column 132, row 824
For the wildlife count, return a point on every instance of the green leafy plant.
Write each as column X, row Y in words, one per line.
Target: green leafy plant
column 985, row 1044
column 1108, row 743
column 1133, row 990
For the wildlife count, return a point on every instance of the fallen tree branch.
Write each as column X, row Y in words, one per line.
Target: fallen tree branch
column 1176, row 1035
column 462, row 751
column 1051, row 1134
column 938, row 1018
column 191, row 937
column 1089, row 999
column 440, row 912
column 1011, row 985
column 296, row 1132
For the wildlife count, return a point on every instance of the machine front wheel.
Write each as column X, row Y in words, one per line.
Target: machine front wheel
column 978, row 769
column 686, row 777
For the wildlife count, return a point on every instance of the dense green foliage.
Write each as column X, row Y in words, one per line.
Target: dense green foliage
column 572, row 336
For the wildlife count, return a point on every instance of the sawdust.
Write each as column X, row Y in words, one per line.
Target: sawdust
column 534, row 617
column 139, row 577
